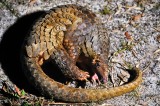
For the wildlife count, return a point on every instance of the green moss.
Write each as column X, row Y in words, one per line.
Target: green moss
column 9, row 7
column 105, row 11
column 157, row 6
column 125, row 46
column 25, row 104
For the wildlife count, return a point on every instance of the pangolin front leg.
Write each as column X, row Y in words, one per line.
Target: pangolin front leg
column 67, row 66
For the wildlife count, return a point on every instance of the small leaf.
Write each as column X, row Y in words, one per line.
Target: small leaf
column 32, row 2
column 23, row 92
column 25, row 104
column 17, row 90
column 128, row 36
column 158, row 38
column 137, row 17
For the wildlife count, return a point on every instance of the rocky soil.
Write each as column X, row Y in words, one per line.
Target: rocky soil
column 134, row 29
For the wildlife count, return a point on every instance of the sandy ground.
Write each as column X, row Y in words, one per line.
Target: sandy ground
column 134, row 29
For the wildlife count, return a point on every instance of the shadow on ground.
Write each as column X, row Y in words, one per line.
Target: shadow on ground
column 10, row 50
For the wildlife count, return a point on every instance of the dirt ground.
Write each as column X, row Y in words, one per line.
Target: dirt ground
column 134, row 29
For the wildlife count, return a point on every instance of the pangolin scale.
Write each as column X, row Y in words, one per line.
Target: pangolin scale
column 67, row 34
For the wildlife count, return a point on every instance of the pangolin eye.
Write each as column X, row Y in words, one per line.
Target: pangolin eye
column 97, row 64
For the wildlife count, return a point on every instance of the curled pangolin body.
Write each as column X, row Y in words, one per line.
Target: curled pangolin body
column 62, row 34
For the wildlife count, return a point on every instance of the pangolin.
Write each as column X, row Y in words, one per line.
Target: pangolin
column 70, row 34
